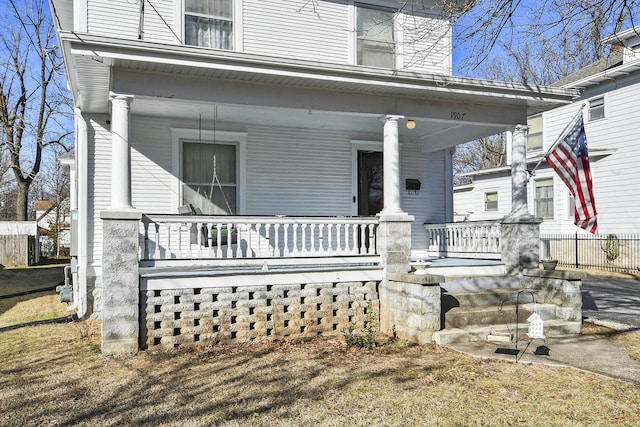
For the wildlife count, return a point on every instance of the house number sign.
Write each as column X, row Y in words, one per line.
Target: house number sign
column 455, row 115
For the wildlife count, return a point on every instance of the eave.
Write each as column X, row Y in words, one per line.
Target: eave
column 95, row 55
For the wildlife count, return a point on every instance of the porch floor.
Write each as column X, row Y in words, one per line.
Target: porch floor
column 460, row 267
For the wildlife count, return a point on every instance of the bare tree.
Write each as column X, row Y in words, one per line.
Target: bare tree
column 483, row 27
column 480, row 154
column 34, row 106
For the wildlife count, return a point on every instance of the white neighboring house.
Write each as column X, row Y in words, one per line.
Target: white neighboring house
column 46, row 218
column 610, row 91
column 274, row 120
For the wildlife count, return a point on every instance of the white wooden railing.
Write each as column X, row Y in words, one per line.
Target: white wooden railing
column 209, row 237
column 474, row 239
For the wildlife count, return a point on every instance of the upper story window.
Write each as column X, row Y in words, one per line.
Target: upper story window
column 376, row 37
column 209, row 23
column 596, row 109
column 534, row 137
column 491, row 201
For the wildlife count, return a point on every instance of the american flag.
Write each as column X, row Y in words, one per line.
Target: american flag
column 570, row 160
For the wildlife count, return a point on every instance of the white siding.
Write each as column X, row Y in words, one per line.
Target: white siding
column 289, row 28
column 151, row 166
column 298, row 172
column 113, row 18
column 426, row 45
column 428, row 205
column 316, row 31
column 99, row 185
column 616, row 177
column 159, row 22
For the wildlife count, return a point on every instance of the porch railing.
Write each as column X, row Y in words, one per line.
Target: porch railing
column 245, row 237
column 473, row 239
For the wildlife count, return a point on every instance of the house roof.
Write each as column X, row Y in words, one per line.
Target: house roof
column 44, row 205
column 594, row 69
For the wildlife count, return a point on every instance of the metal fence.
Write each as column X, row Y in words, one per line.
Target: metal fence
column 612, row 252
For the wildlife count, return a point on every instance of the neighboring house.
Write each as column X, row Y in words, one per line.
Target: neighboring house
column 54, row 225
column 273, row 122
column 610, row 92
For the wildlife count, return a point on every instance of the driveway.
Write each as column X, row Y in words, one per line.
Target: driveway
column 611, row 301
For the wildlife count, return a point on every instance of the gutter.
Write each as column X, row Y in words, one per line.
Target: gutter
column 150, row 52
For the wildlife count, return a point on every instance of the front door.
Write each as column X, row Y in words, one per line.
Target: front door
column 369, row 182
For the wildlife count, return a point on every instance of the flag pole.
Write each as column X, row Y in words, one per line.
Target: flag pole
column 558, row 139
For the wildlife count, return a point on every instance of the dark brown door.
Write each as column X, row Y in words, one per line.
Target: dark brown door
column 369, row 182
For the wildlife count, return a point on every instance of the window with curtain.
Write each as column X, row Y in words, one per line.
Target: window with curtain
column 544, row 198
column 534, row 137
column 198, row 186
column 491, row 201
column 376, row 38
column 209, row 23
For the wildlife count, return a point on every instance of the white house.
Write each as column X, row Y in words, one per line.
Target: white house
column 610, row 94
column 274, row 120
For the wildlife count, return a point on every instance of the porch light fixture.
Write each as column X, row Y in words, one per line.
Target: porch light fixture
column 411, row 124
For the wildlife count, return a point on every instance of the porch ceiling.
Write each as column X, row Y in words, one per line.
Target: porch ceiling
column 434, row 134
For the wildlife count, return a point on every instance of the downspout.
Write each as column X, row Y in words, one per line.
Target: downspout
column 80, row 275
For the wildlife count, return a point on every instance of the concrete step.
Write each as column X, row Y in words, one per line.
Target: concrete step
column 552, row 328
column 484, row 282
column 460, row 317
column 485, row 297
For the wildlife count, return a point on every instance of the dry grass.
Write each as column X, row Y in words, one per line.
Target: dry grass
column 51, row 375
column 630, row 339
column 55, row 375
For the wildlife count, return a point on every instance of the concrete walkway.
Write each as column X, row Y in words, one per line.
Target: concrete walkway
column 610, row 301
column 584, row 352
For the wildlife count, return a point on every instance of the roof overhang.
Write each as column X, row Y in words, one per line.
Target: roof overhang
column 594, row 154
column 89, row 59
column 604, row 76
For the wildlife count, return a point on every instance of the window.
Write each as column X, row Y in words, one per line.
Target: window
column 534, row 137
column 491, row 201
column 376, row 38
column 544, row 198
column 596, row 109
column 209, row 23
column 198, row 186
column 572, row 206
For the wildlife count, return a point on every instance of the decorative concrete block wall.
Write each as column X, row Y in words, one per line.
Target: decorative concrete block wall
column 202, row 316
column 410, row 305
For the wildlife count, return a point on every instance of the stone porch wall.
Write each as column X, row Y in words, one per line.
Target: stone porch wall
column 202, row 316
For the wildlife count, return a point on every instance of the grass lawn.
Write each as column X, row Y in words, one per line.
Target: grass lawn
column 54, row 375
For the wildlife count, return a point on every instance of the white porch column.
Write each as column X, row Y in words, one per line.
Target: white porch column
column 120, row 156
column 519, row 176
column 391, row 165
column 520, row 231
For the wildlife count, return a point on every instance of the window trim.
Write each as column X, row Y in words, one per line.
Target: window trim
column 535, row 197
column 541, row 133
column 486, row 193
column 598, row 107
column 397, row 33
column 178, row 135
